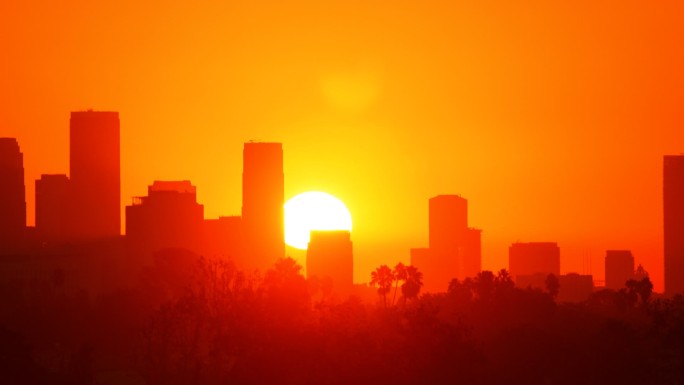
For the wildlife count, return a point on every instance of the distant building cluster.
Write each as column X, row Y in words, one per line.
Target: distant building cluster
column 77, row 218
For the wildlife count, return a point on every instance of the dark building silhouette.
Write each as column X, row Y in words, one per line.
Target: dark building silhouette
column 574, row 287
column 262, row 204
column 472, row 257
column 52, row 200
column 330, row 257
column 223, row 238
column 168, row 217
column 454, row 249
column 619, row 268
column 95, row 175
column 12, row 194
column 534, row 258
column 673, row 215
column 448, row 223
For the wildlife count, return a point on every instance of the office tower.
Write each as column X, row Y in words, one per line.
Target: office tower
column 619, row 268
column 472, row 256
column 330, row 257
column 168, row 217
column 673, row 215
column 534, row 258
column 262, row 204
column 454, row 249
column 12, row 194
column 95, row 175
column 448, row 217
column 52, row 200
column 223, row 239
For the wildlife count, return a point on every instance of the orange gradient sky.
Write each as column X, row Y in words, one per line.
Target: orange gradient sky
column 550, row 118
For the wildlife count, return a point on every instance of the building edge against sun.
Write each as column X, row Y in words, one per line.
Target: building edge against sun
column 311, row 211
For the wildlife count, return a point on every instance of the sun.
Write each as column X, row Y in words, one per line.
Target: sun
column 313, row 210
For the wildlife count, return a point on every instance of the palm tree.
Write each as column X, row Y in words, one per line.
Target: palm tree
column 413, row 280
column 383, row 277
column 399, row 275
column 484, row 285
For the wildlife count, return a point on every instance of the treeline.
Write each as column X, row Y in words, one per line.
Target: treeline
column 195, row 321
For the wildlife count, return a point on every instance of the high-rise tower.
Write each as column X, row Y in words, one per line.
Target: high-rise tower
column 95, row 208
column 673, row 215
column 262, row 204
column 12, row 193
column 454, row 249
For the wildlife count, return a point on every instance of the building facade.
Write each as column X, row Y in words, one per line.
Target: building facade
column 262, row 204
column 12, row 194
column 52, row 201
column 534, row 258
column 330, row 257
column 673, row 229
column 94, row 161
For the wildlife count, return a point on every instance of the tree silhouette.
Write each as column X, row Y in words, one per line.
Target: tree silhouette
column 400, row 274
column 640, row 288
column 484, row 285
column 413, row 280
column 552, row 285
column 383, row 277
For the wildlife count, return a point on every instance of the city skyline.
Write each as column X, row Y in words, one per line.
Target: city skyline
column 551, row 118
column 450, row 246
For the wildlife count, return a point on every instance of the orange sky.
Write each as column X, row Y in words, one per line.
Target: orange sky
column 551, row 118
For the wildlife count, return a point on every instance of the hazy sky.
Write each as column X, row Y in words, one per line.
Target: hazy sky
column 551, row 118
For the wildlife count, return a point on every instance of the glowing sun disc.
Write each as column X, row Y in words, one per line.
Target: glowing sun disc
column 313, row 210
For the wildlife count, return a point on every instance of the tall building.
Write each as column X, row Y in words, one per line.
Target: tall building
column 454, row 249
column 12, row 194
column 619, row 268
column 262, row 204
column 95, row 209
column 534, row 258
column 52, row 200
column 472, row 256
column 673, row 215
column 448, row 221
column 168, row 217
column 330, row 257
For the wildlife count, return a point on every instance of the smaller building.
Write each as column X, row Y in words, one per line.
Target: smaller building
column 574, row 287
column 534, row 258
column 168, row 217
column 223, row 238
column 52, row 208
column 619, row 268
column 12, row 195
column 329, row 257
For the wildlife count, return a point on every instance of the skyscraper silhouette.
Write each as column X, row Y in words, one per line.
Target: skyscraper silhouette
column 673, row 215
column 95, row 175
column 330, row 257
column 619, row 268
column 12, row 194
column 52, row 200
column 454, row 249
column 262, row 204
